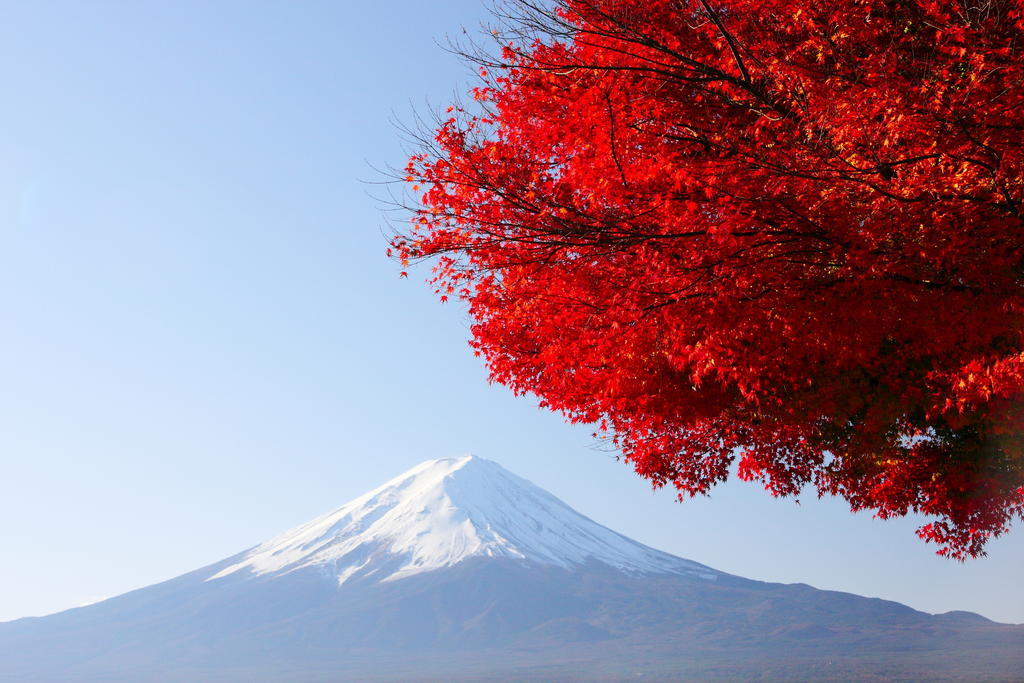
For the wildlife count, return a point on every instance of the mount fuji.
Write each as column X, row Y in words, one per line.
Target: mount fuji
column 459, row 569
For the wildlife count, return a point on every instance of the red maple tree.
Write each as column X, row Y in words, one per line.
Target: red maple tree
column 777, row 234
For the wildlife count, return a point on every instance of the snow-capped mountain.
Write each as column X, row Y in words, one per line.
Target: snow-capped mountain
column 458, row 569
column 443, row 512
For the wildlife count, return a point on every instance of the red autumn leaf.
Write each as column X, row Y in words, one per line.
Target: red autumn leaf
column 777, row 234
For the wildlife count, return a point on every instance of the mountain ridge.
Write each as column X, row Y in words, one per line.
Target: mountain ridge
column 565, row 600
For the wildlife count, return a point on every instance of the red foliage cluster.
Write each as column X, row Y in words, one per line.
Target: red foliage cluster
column 778, row 233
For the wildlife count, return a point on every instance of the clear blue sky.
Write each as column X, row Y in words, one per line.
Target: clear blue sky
column 202, row 343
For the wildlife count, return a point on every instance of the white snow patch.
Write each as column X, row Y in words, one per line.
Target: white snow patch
column 443, row 512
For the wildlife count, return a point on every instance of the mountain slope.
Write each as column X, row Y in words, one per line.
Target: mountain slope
column 459, row 569
column 443, row 512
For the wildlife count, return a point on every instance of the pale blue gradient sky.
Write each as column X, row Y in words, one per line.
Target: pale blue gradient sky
column 202, row 344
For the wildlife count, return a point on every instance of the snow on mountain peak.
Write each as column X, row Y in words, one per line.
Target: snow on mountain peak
column 442, row 512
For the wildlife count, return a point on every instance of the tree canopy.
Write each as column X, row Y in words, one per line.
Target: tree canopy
column 776, row 237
